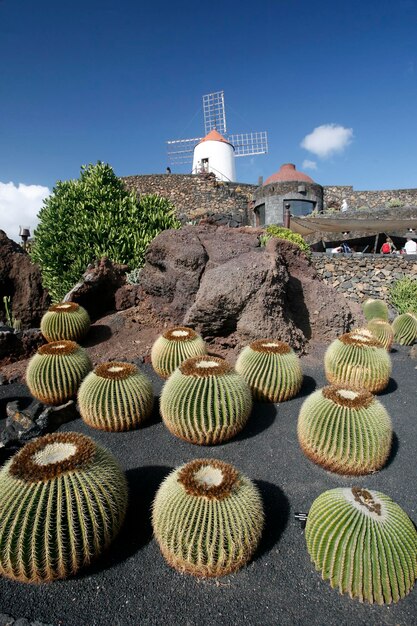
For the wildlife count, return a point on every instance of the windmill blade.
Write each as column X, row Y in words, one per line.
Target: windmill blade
column 246, row 144
column 214, row 113
column 181, row 150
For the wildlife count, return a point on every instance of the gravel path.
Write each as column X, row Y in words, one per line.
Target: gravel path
column 132, row 585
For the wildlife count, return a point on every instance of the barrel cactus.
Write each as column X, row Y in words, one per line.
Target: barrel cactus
column 66, row 320
column 207, row 518
column 55, row 372
column 272, row 370
column 382, row 331
column 363, row 543
column 173, row 347
column 62, row 501
column 345, row 430
column 373, row 308
column 115, row 396
column 405, row 329
column 205, row 401
column 357, row 359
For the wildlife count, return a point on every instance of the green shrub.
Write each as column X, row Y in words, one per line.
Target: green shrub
column 285, row 233
column 403, row 295
column 394, row 203
column 91, row 217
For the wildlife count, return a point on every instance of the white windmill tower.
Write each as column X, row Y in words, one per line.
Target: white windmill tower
column 216, row 151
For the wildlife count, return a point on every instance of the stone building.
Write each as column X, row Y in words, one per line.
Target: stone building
column 287, row 186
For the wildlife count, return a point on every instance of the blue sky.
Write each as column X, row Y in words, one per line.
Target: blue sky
column 112, row 81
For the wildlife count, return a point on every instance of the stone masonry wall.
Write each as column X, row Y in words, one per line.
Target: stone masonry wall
column 196, row 196
column 361, row 277
column 369, row 199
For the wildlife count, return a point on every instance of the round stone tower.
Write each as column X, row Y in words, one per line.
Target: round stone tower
column 287, row 186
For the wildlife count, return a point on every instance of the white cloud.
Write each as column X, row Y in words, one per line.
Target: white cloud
column 19, row 206
column 327, row 139
column 309, row 165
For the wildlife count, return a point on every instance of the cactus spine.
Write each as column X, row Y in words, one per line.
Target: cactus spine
column 115, row 396
column 62, row 501
column 173, row 347
column 363, row 543
column 205, row 401
column 405, row 329
column 54, row 374
column 271, row 369
column 66, row 320
column 375, row 309
column 207, row 518
column 346, row 431
column 357, row 359
column 382, row 331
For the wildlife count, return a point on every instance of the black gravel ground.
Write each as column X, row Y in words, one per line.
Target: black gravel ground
column 132, row 585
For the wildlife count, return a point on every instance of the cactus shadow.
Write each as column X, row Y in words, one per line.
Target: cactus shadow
column 277, row 511
column 390, row 388
column 395, row 446
column 96, row 335
column 309, row 385
column 136, row 532
column 155, row 417
column 262, row 416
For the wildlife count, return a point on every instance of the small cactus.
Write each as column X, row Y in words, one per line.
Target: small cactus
column 62, row 501
column 373, row 308
column 205, row 401
column 357, row 359
column 55, row 372
column 115, row 396
column 347, row 431
column 66, row 320
column 405, row 329
column 382, row 331
column 173, row 347
column 271, row 369
column 363, row 543
column 207, row 518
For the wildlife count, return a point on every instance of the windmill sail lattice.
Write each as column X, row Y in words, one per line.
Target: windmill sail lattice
column 180, row 151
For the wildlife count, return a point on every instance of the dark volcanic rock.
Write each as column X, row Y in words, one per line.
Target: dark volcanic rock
column 17, row 345
column 21, row 280
column 96, row 289
column 126, row 296
column 221, row 282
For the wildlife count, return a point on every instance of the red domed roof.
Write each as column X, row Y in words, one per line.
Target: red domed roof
column 288, row 172
column 215, row 136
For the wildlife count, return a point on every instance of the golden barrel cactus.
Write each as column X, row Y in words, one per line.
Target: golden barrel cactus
column 66, row 320
column 207, row 518
column 173, row 347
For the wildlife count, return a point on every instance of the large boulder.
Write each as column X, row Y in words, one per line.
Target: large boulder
column 20, row 279
column 224, row 284
column 98, row 286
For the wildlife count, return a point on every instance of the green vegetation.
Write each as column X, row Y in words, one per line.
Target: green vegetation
column 66, row 320
column 394, row 203
column 279, row 232
column 91, row 217
column 403, row 295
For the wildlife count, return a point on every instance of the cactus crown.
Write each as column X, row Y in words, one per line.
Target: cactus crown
column 360, row 337
column 270, row 346
column 364, row 499
column 348, row 396
column 50, row 456
column 115, row 370
column 210, row 478
column 204, row 366
column 58, row 348
column 64, row 307
column 180, row 333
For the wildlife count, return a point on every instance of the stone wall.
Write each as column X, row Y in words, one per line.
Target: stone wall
column 369, row 199
column 360, row 277
column 196, row 196
column 272, row 198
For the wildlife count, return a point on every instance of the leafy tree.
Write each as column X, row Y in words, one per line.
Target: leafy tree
column 94, row 216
